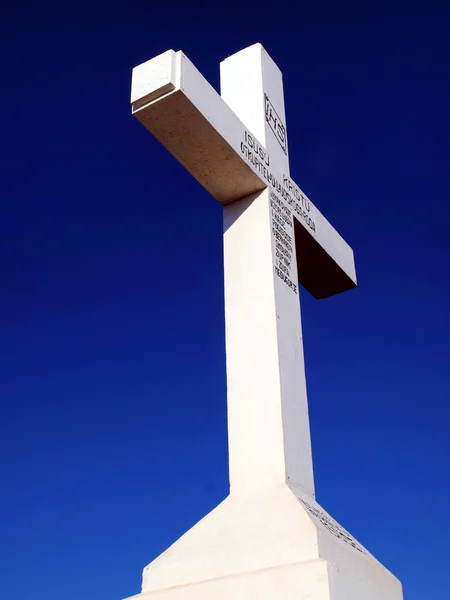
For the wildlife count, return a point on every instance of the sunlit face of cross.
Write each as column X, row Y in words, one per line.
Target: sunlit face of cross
column 236, row 146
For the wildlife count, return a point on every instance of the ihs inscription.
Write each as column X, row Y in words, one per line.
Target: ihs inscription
column 275, row 123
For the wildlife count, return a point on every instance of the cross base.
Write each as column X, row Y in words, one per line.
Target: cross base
column 277, row 545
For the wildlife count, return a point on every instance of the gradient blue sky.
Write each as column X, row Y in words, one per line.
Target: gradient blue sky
column 112, row 373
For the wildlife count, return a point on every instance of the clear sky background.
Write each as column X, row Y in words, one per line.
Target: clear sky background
column 112, row 372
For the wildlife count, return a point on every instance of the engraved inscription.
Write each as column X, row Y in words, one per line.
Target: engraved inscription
column 282, row 231
column 333, row 527
column 257, row 156
column 286, row 201
column 275, row 123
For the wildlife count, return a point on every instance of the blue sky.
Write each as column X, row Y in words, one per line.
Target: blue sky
column 112, row 373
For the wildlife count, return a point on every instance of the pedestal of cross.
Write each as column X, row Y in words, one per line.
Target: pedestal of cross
column 269, row 539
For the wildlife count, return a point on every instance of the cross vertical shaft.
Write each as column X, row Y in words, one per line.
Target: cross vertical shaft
column 268, row 423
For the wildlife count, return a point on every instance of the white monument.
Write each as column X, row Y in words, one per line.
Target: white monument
column 269, row 539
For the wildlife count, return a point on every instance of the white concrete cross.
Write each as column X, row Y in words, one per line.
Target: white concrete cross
column 269, row 539
column 236, row 146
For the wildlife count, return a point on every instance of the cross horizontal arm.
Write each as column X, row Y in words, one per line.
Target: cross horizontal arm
column 182, row 110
